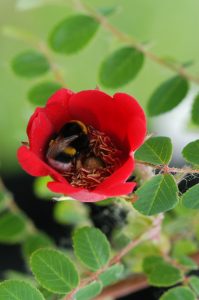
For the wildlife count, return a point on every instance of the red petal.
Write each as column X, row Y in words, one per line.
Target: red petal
column 87, row 196
column 136, row 133
column 34, row 166
column 57, row 108
column 39, row 131
column 96, row 108
column 34, row 115
column 132, row 117
column 112, row 186
column 120, row 189
column 119, row 176
column 110, row 115
column 63, row 188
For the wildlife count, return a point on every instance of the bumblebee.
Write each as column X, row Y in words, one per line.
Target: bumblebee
column 71, row 141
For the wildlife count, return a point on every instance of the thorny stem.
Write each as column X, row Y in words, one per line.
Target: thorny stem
column 152, row 234
column 54, row 67
column 130, row 40
column 167, row 169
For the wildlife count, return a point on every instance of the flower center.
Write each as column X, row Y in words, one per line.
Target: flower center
column 83, row 155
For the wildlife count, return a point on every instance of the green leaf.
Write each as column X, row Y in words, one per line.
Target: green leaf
column 15, row 275
column 73, row 33
column 159, row 272
column 30, row 64
column 184, row 247
column 151, row 262
column 112, row 275
column 34, row 242
column 18, row 290
column 158, row 194
column 191, row 152
column 187, row 262
column 3, row 200
column 121, row 67
column 49, row 295
column 91, row 247
column 12, row 228
column 90, row 291
column 195, row 110
column 178, row 293
column 71, row 212
column 194, row 283
column 40, row 188
column 41, row 92
column 190, row 199
column 54, row 271
column 168, row 95
column 156, row 150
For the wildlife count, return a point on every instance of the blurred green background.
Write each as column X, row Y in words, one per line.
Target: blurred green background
column 171, row 27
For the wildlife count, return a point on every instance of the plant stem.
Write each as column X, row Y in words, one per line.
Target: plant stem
column 152, row 233
column 130, row 40
column 39, row 45
column 167, row 169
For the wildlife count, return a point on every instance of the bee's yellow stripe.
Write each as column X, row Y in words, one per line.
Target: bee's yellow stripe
column 83, row 127
column 70, row 151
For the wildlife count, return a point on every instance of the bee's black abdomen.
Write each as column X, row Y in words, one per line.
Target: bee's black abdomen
column 81, row 143
column 63, row 157
column 69, row 129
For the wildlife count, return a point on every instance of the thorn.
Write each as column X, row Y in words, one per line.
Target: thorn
column 97, row 87
column 25, row 143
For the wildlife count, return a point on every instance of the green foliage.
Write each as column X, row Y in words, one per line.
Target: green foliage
column 12, row 228
column 178, row 293
column 90, row 291
column 156, row 150
column 54, row 271
column 91, row 247
column 71, row 212
column 3, row 200
column 30, row 64
column 184, row 247
column 161, row 273
column 41, row 92
column 190, row 199
column 121, row 67
column 194, row 283
column 34, row 242
column 191, row 152
column 112, row 274
column 195, row 110
column 187, row 262
column 15, row 275
column 40, row 188
column 158, row 194
column 18, row 290
column 151, row 262
column 73, row 33
column 168, row 95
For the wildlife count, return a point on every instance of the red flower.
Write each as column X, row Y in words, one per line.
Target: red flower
column 114, row 128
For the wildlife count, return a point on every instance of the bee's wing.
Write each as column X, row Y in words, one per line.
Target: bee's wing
column 59, row 145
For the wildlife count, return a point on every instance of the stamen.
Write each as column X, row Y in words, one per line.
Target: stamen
column 93, row 167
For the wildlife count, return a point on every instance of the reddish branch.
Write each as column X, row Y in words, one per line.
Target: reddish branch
column 151, row 234
column 167, row 169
